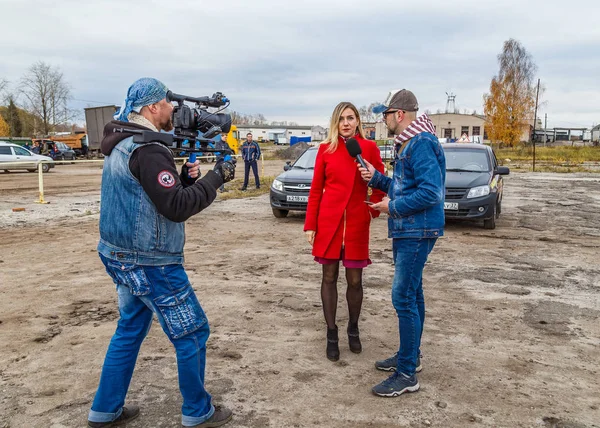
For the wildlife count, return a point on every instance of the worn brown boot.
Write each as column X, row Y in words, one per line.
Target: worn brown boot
column 333, row 350
column 221, row 416
column 129, row 413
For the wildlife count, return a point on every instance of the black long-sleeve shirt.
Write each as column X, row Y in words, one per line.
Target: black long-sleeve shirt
column 175, row 195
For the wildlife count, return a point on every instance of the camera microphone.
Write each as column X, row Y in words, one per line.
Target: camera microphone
column 217, row 100
column 355, row 151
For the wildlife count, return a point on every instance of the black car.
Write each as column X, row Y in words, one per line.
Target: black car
column 64, row 152
column 289, row 191
column 474, row 183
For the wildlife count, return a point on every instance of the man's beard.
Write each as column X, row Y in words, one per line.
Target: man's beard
column 394, row 130
column 167, row 126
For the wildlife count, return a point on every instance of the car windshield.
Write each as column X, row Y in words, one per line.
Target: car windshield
column 466, row 160
column 306, row 160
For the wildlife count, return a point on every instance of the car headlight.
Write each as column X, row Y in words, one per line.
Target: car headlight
column 277, row 185
column 479, row 191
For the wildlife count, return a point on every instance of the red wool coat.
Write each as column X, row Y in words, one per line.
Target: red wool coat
column 336, row 208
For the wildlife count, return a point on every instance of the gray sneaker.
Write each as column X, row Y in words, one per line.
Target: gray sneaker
column 395, row 385
column 389, row 364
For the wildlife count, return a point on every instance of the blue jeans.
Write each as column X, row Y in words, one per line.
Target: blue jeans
column 410, row 256
column 144, row 291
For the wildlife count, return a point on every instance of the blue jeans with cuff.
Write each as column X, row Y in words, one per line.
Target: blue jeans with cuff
column 144, row 291
column 410, row 255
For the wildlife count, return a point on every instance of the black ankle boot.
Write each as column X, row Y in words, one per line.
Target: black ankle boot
column 354, row 339
column 333, row 350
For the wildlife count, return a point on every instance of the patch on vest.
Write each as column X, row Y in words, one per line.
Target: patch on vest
column 166, row 179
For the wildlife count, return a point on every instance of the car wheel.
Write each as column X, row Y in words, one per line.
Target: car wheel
column 280, row 213
column 45, row 167
column 490, row 223
column 499, row 209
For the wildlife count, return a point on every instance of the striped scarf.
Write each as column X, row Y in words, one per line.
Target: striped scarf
column 420, row 124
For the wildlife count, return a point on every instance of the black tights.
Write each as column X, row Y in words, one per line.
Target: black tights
column 329, row 295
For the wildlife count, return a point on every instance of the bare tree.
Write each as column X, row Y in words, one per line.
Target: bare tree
column 3, row 88
column 46, row 94
column 366, row 113
column 260, row 119
column 235, row 117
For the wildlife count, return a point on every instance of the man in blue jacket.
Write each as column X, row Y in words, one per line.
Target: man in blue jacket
column 250, row 154
column 415, row 205
column 144, row 204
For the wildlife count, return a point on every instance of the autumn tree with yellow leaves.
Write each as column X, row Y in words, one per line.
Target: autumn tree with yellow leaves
column 509, row 105
column 4, row 128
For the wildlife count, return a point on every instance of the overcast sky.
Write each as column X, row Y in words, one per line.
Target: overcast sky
column 295, row 61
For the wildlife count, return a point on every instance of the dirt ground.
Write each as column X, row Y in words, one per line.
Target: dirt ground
column 511, row 337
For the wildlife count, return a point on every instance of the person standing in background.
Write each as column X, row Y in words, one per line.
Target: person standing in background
column 250, row 154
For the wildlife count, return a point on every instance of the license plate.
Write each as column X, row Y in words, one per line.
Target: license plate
column 293, row 198
column 451, row 205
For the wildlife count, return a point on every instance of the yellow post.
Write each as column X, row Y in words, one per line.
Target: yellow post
column 41, row 184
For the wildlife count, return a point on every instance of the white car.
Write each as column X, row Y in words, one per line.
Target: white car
column 13, row 156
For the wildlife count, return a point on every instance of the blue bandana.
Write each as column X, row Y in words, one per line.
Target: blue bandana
column 143, row 92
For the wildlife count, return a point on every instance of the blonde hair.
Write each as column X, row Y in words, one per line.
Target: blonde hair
column 333, row 134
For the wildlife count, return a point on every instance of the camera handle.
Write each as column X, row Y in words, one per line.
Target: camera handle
column 192, row 159
column 142, row 136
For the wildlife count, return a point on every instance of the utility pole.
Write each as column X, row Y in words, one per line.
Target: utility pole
column 535, row 120
column 545, row 128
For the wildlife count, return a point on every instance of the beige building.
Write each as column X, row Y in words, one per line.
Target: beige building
column 375, row 130
column 447, row 125
column 454, row 125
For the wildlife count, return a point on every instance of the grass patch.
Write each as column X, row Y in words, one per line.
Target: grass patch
column 563, row 154
column 233, row 188
column 550, row 168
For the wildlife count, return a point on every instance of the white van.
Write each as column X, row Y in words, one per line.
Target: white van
column 13, row 157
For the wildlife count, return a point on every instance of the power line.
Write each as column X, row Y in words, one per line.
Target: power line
column 90, row 101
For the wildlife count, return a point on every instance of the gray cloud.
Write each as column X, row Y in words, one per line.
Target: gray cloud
column 297, row 61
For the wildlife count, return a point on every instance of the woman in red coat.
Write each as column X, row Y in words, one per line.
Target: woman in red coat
column 338, row 219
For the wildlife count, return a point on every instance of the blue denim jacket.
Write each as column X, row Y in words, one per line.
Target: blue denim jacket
column 417, row 190
column 131, row 229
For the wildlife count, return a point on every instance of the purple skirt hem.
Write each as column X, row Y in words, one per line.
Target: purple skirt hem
column 352, row 264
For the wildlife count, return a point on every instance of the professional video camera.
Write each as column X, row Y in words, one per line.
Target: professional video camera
column 188, row 122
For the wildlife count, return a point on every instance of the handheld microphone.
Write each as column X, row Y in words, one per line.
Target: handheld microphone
column 355, row 151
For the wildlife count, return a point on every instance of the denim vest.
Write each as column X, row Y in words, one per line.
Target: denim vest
column 131, row 229
column 417, row 189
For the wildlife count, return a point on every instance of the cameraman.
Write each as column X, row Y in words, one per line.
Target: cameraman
column 144, row 204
